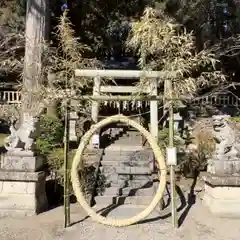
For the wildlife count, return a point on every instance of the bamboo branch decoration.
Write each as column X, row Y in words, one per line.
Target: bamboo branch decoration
column 77, row 161
column 66, row 170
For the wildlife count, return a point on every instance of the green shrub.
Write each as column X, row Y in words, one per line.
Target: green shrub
column 50, row 145
column 50, row 135
column 87, row 176
column 189, row 162
column 56, row 159
column 163, row 140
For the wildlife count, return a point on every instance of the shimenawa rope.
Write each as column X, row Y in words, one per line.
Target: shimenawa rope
column 77, row 161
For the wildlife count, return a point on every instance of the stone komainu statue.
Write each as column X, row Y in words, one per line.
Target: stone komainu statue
column 23, row 137
column 227, row 138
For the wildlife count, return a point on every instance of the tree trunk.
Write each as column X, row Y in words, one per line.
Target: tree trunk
column 37, row 30
column 165, row 102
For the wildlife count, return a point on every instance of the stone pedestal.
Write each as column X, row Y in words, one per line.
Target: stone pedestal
column 229, row 167
column 222, row 181
column 222, row 195
column 22, row 185
column 177, row 121
column 72, row 127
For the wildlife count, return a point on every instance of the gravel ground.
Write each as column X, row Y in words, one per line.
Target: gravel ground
column 199, row 224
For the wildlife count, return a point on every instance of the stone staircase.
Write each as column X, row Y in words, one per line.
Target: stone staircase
column 128, row 171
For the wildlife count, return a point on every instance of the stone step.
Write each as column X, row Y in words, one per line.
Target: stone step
column 115, row 157
column 121, row 156
column 123, row 148
column 119, row 184
column 139, row 183
column 127, row 163
column 139, row 155
column 113, row 177
column 108, row 169
column 133, row 140
column 112, row 191
column 135, row 200
column 116, row 133
column 129, row 191
column 123, row 153
column 126, row 170
column 132, row 134
column 140, row 164
column 130, row 140
column 131, row 183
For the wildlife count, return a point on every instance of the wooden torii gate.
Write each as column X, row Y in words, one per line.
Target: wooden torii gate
column 152, row 90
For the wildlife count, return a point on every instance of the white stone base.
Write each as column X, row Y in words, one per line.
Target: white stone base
column 21, row 205
column 221, row 197
column 21, row 161
column 22, row 193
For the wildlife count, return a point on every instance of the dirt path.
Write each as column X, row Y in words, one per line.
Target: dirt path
column 199, row 224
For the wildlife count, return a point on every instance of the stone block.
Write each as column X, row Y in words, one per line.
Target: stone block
column 22, row 193
column 142, row 177
column 115, row 157
column 72, row 126
column 228, row 167
column 21, row 176
column 124, row 149
column 18, row 161
column 134, row 170
column 222, row 195
column 110, row 163
column 129, row 191
column 139, row 183
column 118, row 184
column 15, row 187
column 115, row 177
column 73, row 115
column 177, row 121
column 15, row 205
column 112, row 191
column 146, row 164
column 226, row 193
column 136, row 200
column 108, row 169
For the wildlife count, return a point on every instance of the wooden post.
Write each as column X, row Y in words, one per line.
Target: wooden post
column 8, row 97
column 154, row 110
column 95, row 109
column 95, row 104
column 172, row 168
column 165, row 101
column 120, row 74
column 66, row 170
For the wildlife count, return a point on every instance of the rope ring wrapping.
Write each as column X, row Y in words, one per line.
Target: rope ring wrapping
column 78, row 160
